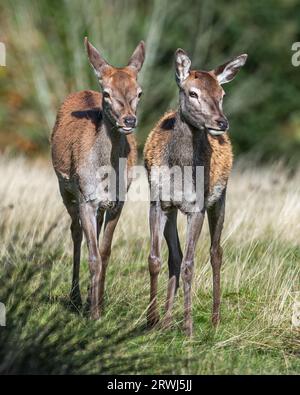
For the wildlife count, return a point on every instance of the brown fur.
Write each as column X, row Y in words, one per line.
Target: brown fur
column 157, row 141
column 116, row 73
column 75, row 132
column 219, row 159
column 207, row 82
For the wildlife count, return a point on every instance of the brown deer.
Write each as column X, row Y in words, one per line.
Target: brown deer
column 194, row 135
column 93, row 132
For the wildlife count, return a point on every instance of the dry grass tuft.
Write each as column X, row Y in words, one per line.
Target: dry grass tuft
column 260, row 282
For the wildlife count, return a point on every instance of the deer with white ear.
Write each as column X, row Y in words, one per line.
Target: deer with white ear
column 194, row 136
column 93, row 132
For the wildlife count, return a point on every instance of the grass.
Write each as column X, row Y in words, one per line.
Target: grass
column 260, row 283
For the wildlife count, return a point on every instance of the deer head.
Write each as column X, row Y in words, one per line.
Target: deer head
column 120, row 89
column 201, row 94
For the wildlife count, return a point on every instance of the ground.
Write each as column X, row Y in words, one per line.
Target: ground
column 260, row 284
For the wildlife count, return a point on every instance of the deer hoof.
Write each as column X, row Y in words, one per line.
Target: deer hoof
column 75, row 300
column 166, row 322
column 188, row 329
column 215, row 320
column 95, row 315
column 152, row 320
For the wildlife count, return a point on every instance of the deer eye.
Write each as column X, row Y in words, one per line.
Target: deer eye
column 193, row 94
column 140, row 94
column 106, row 95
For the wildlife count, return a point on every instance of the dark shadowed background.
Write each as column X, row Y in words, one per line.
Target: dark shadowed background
column 46, row 61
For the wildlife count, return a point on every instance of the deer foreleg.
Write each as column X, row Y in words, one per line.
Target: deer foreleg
column 194, row 226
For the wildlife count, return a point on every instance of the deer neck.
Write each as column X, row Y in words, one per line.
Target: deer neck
column 190, row 132
column 112, row 142
column 189, row 146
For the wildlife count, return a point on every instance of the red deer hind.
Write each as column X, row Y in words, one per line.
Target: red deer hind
column 93, row 131
column 193, row 135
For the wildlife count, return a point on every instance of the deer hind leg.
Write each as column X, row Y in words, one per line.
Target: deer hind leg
column 216, row 215
column 100, row 218
column 111, row 220
column 194, row 226
column 174, row 264
column 76, row 232
column 157, row 219
column 88, row 218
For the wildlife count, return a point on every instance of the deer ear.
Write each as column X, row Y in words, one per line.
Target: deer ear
column 182, row 65
column 96, row 60
column 137, row 58
column 229, row 70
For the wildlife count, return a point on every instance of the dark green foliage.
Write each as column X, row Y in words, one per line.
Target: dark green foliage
column 46, row 61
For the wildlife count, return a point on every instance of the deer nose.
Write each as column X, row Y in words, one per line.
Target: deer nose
column 223, row 124
column 130, row 121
